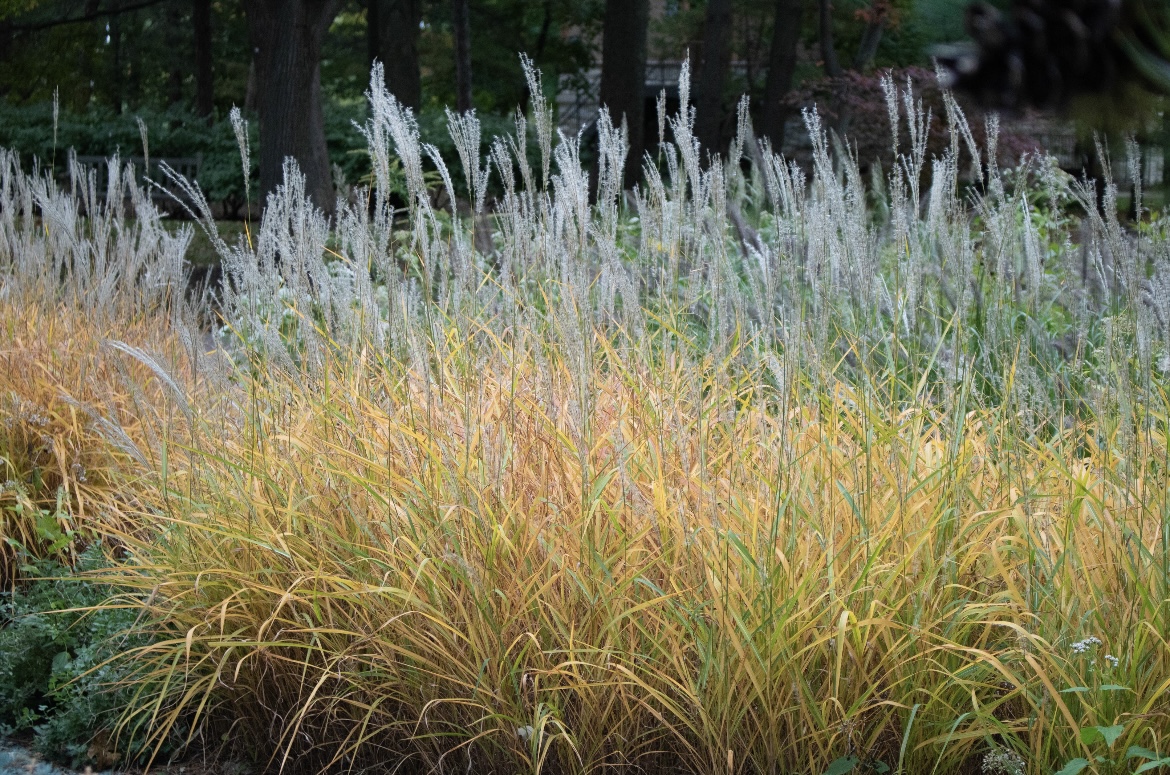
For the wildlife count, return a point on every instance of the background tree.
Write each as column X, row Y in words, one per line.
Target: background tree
column 829, row 61
column 204, row 75
column 393, row 34
column 781, row 68
column 713, row 65
column 558, row 35
column 623, row 73
column 171, row 61
column 876, row 17
column 114, row 41
column 286, row 37
column 461, row 26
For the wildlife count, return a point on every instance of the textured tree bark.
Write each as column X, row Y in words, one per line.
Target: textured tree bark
column 623, row 73
column 781, row 67
column 204, row 83
column 398, row 22
column 461, row 20
column 712, row 68
column 867, row 49
column 250, row 87
column 832, row 65
column 373, row 27
column 286, row 38
column 115, row 36
column 177, row 64
column 132, row 44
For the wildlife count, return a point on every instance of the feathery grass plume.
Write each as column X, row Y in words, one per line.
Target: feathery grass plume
column 660, row 105
column 542, row 115
column 243, row 143
column 240, row 129
column 464, row 130
column 56, row 124
column 519, row 145
column 142, row 133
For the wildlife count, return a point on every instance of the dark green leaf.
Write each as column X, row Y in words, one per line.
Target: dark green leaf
column 1073, row 767
column 1111, row 733
column 842, row 765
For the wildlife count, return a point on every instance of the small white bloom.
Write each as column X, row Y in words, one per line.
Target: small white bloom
column 1003, row 761
column 1081, row 646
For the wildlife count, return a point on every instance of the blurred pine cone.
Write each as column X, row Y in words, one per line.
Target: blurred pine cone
column 1042, row 53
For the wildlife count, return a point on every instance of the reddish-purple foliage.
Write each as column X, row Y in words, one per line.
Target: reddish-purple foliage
column 854, row 105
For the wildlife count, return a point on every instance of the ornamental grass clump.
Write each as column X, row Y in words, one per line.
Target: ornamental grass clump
column 755, row 469
column 699, row 570
column 87, row 288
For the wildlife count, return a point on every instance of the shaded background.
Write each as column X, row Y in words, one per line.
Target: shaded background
column 180, row 65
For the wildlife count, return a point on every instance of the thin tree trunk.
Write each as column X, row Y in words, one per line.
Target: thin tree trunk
column 781, row 67
column 623, row 73
column 173, row 37
column 5, row 40
column 1165, row 146
column 131, row 37
column 115, row 35
column 832, row 65
column 250, row 87
column 286, row 40
column 373, row 31
column 712, row 68
column 461, row 20
column 871, row 38
column 204, row 75
column 545, row 24
column 398, row 22
column 875, row 24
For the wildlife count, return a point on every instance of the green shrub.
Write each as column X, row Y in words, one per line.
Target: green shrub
column 54, row 680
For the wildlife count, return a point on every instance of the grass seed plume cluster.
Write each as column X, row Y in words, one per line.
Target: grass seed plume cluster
column 758, row 469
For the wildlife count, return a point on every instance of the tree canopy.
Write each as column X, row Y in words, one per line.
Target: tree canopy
column 136, row 57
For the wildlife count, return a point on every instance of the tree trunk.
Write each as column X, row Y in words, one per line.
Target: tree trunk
column 131, row 41
column 875, row 17
column 461, row 20
column 286, row 38
column 373, row 31
column 715, row 61
column 545, row 25
column 623, row 73
column 1165, row 145
column 204, row 83
column 871, row 38
column 115, row 37
column 177, row 63
column 398, row 22
column 781, row 67
column 828, row 51
column 250, row 87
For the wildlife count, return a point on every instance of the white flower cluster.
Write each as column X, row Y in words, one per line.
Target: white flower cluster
column 1003, row 761
column 1082, row 646
column 22, row 411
